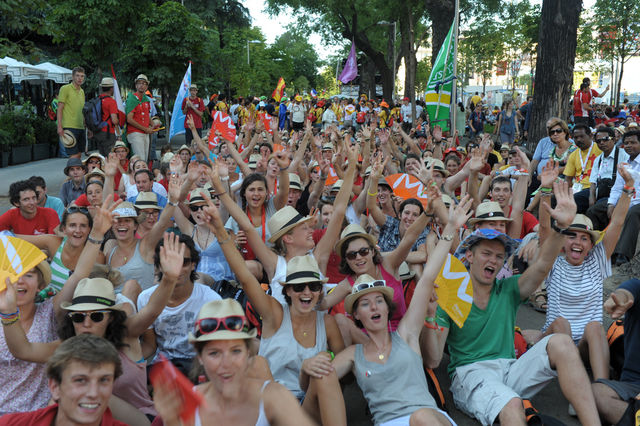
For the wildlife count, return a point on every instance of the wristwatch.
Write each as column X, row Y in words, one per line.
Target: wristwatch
column 448, row 237
column 565, row 231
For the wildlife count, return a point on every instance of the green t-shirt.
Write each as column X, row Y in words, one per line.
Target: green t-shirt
column 486, row 334
column 73, row 103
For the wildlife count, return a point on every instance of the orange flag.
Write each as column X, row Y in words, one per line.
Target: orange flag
column 407, row 186
column 165, row 374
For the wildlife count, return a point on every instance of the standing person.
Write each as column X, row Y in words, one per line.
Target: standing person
column 507, row 126
column 476, row 122
column 138, row 111
column 70, row 118
column 582, row 105
column 298, row 113
column 193, row 107
column 27, row 218
column 106, row 137
column 75, row 185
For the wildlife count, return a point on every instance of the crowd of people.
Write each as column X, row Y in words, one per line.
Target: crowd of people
column 274, row 268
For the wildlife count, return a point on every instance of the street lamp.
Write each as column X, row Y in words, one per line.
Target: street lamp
column 250, row 41
column 393, row 52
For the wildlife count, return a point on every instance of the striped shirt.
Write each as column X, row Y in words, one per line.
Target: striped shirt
column 575, row 292
column 59, row 272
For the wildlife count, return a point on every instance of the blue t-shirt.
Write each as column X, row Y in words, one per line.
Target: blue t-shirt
column 631, row 367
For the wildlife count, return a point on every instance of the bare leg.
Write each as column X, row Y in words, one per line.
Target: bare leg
column 610, row 406
column 324, row 401
column 573, row 379
column 594, row 349
column 559, row 325
column 513, row 413
column 428, row 417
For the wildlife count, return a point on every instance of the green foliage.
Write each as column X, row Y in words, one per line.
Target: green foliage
column 17, row 122
column 46, row 131
column 22, row 23
column 422, row 74
column 618, row 28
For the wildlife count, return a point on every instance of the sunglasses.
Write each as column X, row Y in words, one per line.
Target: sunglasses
column 77, row 210
column 555, row 131
column 364, row 286
column 364, row 251
column 196, row 208
column 299, row 288
column 608, row 138
column 230, row 323
column 95, row 316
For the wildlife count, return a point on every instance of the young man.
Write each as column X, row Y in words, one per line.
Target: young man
column 27, row 218
column 44, row 199
column 579, row 164
column 488, row 383
column 81, row 373
column 582, row 105
column 192, row 107
column 74, row 187
column 144, row 183
column 139, row 125
column 70, row 104
column 500, row 191
column 106, row 137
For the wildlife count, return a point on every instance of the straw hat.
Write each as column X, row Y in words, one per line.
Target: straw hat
column 142, row 77
column 120, row 144
column 438, row 166
column 94, row 155
column 303, row 269
column 253, row 160
column 405, row 272
column 193, row 86
column 167, row 157
column 295, row 182
column 125, row 209
column 583, row 224
column 327, row 146
column 336, row 186
column 184, row 147
column 147, row 200
column 210, row 188
column 68, row 139
column 447, row 200
column 365, row 284
column 92, row 294
column 283, row 221
column 198, row 195
column 106, row 82
column 45, row 270
column 353, row 231
column 488, row 210
column 95, row 173
column 218, row 309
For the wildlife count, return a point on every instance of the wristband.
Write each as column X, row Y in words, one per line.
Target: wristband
column 11, row 315
column 628, row 187
column 544, row 189
column 630, row 192
column 333, row 356
column 93, row 240
column 283, row 169
column 11, row 321
column 565, row 231
column 171, row 203
column 225, row 178
column 373, row 195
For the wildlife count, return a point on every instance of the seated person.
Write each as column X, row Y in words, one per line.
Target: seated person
column 27, row 218
column 44, row 199
column 74, row 186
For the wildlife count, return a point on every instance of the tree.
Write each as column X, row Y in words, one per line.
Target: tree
column 554, row 65
column 24, row 31
column 221, row 15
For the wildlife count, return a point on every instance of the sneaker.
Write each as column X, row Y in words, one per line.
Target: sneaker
column 572, row 411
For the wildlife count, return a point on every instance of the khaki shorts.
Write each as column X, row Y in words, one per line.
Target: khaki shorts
column 483, row 388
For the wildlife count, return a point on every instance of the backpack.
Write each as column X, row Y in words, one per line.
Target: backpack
column 92, row 112
column 615, row 339
column 360, row 117
column 52, row 110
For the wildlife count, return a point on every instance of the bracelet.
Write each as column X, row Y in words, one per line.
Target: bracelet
column 546, row 190
column 373, row 195
column 333, row 356
column 565, row 231
column 629, row 192
column 11, row 321
column 93, row 240
column 224, row 179
column 428, row 214
column 628, row 187
column 171, row 203
column 282, row 169
column 225, row 241
column 10, row 316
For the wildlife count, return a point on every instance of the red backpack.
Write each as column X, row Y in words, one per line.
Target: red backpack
column 360, row 117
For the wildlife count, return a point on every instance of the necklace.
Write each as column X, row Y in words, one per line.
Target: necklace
column 381, row 351
column 206, row 241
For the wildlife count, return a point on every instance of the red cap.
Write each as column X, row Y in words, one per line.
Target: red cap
column 405, row 98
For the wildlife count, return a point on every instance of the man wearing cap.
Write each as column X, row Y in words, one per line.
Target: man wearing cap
column 283, row 114
column 106, row 137
column 193, row 107
column 75, row 185
column 488, row 382
column 138, row 109
column 27, row 218
column 70, row 118
column 295, row 190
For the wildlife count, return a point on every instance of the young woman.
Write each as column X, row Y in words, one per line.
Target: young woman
column 295, row 337
column 507, row 126
column 232, row 396
column 404, row 400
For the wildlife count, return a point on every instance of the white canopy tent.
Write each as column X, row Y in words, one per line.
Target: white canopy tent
column 55, row 72
column 20, row 71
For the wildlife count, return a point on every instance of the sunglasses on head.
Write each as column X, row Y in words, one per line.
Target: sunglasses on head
column 351, row 255
column 95, row 316
column 299, row 288
column 77, row 210
column 195, row 208
column 230, row 323
column 555, row 131
column 364, row 286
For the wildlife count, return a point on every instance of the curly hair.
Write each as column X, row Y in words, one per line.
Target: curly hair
column 115, row 333
column 16, row 188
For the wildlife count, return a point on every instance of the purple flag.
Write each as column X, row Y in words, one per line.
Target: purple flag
column 350, row 70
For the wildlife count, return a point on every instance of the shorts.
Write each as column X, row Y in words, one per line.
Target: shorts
column 297, row 125
column 483, row 388
column 625, row 390
column 404, row 420
column 81, row 141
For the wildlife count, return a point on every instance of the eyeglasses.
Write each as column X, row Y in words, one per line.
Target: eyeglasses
column 77, row 210
column 151, row 212
column 95, row 316
column 364, row 251
column 94, row 162
column 364, row 286
column 231, row 323
column 186, row 261
column 608, row 138
column 299, row 288
column 196, row 208
column 555, row 131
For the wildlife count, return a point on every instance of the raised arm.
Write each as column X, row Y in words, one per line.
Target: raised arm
column 517, row 205
column 376, row 172
column 244, row 167
column 110, row 169
column 614, row 229
column 196, row 137
column 280, row 199
column 548, row 175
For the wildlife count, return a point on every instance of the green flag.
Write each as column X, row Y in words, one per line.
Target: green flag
column 440, row 85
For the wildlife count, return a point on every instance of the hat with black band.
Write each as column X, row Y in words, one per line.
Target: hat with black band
column 489, row 211
column 302, row 270
column 283, row 221
column 92, row 294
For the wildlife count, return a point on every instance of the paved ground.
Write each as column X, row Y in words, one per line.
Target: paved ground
column 550, row 401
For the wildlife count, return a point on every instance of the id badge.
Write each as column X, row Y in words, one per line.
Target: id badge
column 577, row 187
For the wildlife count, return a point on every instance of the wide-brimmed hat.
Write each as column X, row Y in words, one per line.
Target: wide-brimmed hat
column 125, row 209
column 404, row 272
column 583, row 224
column 120, row 144
column 336, row 186
column 183, row 148
column 283, row 221
column 45, row 270
column 92, row 294
column 68, row 139
column 94, row 155
column 488, row 210
column 167, row 157
column 438, row 166
column 142, row 77
column 210, row 188
column 353, row 231
column 510, row 245
column 74, row 162
column 294, row 181
column 303, row 269
column 298, row 98
column 147, row 200
column 253, row 160
column 327, row 146
column 198, row 195
column 93, row 174
column 106, row 82
column 193, row 86
column 365, row 284
column 447, row 200
column 217, row 310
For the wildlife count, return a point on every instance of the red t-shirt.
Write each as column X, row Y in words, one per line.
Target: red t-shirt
column 46, row 416
column 580, row 98
column 109, row 106
column 82, row 201
column 529, row 222
column 141, row 114
column 197, row 120
column 333, row 273
column 44, row 222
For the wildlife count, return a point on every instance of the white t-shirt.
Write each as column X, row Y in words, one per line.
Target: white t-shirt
column 575, row 292
column 297, row 113
column 174, row 323
column 132, row 190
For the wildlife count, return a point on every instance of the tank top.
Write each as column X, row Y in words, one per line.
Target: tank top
column 262, row 417
column 131, row 386
column 212, row 260
column 398, row 297
column 406, row 393
column 59, row 272
column 508, row 125
column 135, row 269
column 285, row 354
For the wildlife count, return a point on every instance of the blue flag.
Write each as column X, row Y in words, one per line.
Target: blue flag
column 177, row 118
column 314, row 93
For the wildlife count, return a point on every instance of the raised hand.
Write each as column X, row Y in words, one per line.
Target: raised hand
column 175, row 165
column 549, row 174
column 193, row 171
column 174, row 188
column 8, row 299
column 383, row 136
column 437, row 133
column 476, row 163
column 103, row 217
column 366, row 132
column 615, row 306
column 459, row 215
column 622, row 171
column 111, row 165
column 283, row 160
column 190, row 122
column 215, row 221
column 565, row 209
column 318, row 366
column 424, row 173
column 172, row 256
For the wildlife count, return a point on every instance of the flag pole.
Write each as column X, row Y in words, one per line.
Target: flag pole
column 454, row 97
column 444, row 71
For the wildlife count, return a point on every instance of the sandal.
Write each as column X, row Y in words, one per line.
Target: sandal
column 538, row 301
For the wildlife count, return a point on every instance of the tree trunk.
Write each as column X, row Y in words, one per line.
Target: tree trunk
column 441, row 13
column 619, row 85
column 554, row 65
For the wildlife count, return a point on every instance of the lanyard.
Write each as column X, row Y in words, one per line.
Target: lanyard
column 583, row 164
column 264, row 236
